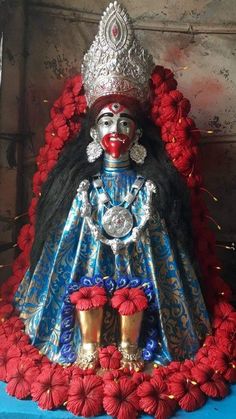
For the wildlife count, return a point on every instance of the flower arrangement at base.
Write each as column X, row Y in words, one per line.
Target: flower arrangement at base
column 120, row 393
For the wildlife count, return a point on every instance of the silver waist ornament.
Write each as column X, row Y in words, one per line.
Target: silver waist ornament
column 117, row 220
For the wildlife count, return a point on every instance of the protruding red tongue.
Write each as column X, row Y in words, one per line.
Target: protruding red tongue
column 116, row 147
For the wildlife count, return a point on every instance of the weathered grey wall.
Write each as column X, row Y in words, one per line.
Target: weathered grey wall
column 197, row 34
column 12, row 23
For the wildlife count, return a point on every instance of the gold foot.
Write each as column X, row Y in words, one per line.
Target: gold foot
column 88, row 356
column 131, row 357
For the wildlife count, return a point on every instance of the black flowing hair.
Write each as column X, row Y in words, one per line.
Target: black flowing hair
column 171, row 201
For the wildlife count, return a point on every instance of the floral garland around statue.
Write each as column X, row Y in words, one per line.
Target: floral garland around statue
column 123, row 394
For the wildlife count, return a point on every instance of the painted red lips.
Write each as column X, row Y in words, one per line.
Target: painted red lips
column 116, row 144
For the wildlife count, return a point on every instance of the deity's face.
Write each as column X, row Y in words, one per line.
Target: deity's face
column 115, row 128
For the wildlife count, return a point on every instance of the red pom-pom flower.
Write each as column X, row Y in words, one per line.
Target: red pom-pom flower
column 74, row 85
column 7, row 353
column 6, row 309
column 163, row 80
column 121, row 399
column 174, row 106
column 224, row 317
column 109, row 357
column 20, row 375
column 155, row 399
column 129, row 301
column 26, row 237
column 65, row 106
column 225, row 364
column 8, row 288
column 20, row 265
column 57, row 132
column 47, row 158
column 19, row 338
column 89, row 297
column 10, row 326
column 211, row 382
column 85, row 396
column 184, row 389
column 50, row 388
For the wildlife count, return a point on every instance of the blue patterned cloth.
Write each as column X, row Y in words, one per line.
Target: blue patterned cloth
column 71, row 252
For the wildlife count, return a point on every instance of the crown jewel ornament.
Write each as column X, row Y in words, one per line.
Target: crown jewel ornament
column 116, row 63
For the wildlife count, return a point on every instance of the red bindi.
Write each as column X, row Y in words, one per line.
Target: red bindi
column 116, row 108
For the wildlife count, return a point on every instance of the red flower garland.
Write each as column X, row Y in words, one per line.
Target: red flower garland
column 32, row 210
column 129, row 301
column 225, row 364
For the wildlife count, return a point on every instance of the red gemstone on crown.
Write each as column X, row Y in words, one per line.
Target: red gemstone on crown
column 115, row 30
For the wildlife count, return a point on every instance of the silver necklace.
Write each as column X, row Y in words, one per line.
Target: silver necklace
column 117, row 220
column 116, row 244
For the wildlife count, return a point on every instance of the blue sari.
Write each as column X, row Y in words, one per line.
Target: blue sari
column 71, row 252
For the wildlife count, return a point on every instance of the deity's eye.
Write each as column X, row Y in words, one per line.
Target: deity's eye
column 104, row 122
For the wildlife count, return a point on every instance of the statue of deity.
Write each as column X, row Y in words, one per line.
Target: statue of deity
column 113, row 259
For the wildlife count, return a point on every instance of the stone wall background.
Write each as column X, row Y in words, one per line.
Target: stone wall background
column 44, row 42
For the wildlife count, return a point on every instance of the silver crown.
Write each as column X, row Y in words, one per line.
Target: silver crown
column 116, row 63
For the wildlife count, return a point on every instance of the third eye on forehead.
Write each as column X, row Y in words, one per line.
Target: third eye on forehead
column 121, row 115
